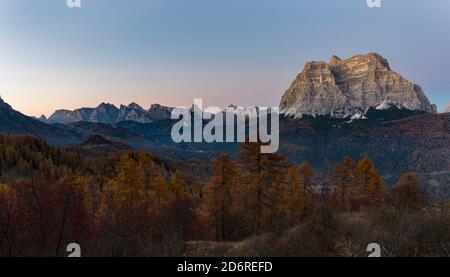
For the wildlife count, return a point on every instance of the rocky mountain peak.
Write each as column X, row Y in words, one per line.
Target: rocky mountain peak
column 135, row 106
column 350, row 87
column 106, row 106
column 159, row 112
column 155, row 107
column 334, row 60
column 370, row 61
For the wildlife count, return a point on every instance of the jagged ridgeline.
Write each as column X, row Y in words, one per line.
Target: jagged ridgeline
column 108, row 113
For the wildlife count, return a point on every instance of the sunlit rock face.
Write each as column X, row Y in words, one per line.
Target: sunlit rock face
column 343, row 88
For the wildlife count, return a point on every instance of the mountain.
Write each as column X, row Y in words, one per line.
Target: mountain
column 59, row 116
column 14, row 122
column 152, row 137
column 97, row 145
column 345, row 88
column 108, row 113
column 133, row 112
column 159, row 112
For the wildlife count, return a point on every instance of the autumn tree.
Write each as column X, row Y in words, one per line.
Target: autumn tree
column 218, row 198
column 50, row 215
column 8, row 212
column 308, row 187
column 408, row 195
column 292, row 196
column 128, row 186
column 261, row 178
column 123, row 205
column 135, row 202
column 157, row 188
column 346, row 182
column 178, row 184
column 299, row 195
column 374, row 191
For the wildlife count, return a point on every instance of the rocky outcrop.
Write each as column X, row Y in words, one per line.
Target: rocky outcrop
column 159, row 112
column 108, row 113
column 61, row 116
column 349, row 87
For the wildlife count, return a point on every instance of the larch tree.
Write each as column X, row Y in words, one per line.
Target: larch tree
column 307, row 187
column 262, row 176
column 346, row 182
column 292, row 196
column 407, row 193
column 127, row 186
column 374, row 191
column 126, row 207
column 219, row 199
column 178, row 184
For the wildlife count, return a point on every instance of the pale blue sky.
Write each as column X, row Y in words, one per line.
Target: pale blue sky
column 243, row 52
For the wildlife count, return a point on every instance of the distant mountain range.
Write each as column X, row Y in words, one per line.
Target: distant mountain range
column 399, row 140
column 108, row 113
column 341, row 88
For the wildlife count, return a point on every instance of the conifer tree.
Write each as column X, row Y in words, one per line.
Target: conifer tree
column 373, row 189
column 407, row 193
column 178, row 184
column 346, row 182
column 262, row 176
column 218, row 202
column 292, row 196
column 127, row 187
column 308, row 187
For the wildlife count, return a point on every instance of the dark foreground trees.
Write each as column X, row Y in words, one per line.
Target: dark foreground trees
column 260, row 204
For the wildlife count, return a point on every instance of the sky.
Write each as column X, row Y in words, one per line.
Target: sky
column 242, row 52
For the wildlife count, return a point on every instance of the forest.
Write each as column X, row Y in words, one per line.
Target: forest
column 132, row 204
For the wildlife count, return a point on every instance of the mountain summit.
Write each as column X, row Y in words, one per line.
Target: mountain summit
column 351, row 87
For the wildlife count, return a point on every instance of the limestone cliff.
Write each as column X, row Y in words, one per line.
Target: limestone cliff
column 350, row 87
